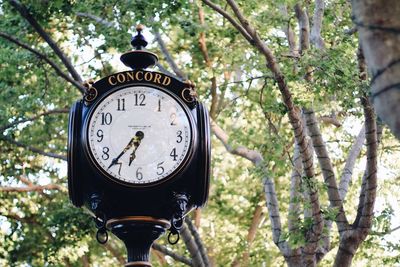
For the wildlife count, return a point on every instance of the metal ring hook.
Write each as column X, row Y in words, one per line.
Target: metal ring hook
column 177, row 222
column 100, row 220
column 102, row 236
column 173, row 242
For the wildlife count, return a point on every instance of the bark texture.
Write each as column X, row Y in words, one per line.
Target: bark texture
column 378, row 24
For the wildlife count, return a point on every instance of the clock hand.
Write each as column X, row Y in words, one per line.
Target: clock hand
column 128, row 146
column 137, row 139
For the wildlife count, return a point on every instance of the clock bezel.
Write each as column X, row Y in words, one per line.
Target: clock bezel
column 74, row 191
column 192, row 143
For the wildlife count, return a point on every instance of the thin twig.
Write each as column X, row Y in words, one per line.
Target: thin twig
column 33, row 149
column 45, row 58
column 167, row 55
column 54, row 111
column 21, row 8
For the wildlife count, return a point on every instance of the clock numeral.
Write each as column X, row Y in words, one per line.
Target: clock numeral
column 160, row 169
column 139, row 100
column 173, row 154
column 106, row 118
column 100, row 135
column 121, row 104
column 139, row 174
column 179, row 136
column 105, row 155
column 173, row 118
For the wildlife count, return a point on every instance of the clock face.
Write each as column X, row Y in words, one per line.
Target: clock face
column 139, row 135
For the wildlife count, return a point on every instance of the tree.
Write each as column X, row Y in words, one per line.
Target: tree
column 379, row 38
column 283, row 87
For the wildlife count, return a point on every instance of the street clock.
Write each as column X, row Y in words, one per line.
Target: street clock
column 140, row 135
column 138, row 151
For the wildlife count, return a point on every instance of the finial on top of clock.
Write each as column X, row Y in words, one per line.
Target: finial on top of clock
column 139, row 58
column 138, row 41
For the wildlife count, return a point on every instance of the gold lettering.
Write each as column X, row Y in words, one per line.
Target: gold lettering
column 129, row 76
column 157, row 78
column 110, row 81
column 137, row 75
column 148, row 76
column 166, row 81
column 121, row 78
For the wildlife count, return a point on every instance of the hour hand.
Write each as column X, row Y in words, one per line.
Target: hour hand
column 137, row 139
column 132, row 157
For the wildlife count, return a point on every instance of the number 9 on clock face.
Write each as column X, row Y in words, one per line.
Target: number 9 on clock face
column 139, row 135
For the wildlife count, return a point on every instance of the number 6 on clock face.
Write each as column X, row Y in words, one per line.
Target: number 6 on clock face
column 140, row 135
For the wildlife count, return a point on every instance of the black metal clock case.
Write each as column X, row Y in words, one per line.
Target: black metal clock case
column 90, row 187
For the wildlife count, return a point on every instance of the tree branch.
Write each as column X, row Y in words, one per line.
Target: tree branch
column 33, row 188
column 304, row 28
column 96, row 19
column 21, row 8
column 33, row 149
column 294, row 120
column 172, row 254
column 15, row 217
column 225, row 14
column 330, row 120
column 347, row 173
column 290, row 35
column 315, row 36
column 252, row 155
column 202, row 38
column 198, row 241
column 368, row 195
column 386, row 232
column 295, row 182
column 167, row 55
column 45, row 58
column 197, row 259
column 208, row 61
column 269, row 188
column 326, row 168
column 286, row 95
column 243, row 259
column 53, row 111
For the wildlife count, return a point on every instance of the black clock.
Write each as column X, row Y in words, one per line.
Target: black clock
column 139, row 130
column 139, row 150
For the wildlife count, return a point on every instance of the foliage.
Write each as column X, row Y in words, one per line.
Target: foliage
column 41, row 228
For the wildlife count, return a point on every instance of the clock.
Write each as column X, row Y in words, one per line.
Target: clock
column 139, row 135
column 138, row 153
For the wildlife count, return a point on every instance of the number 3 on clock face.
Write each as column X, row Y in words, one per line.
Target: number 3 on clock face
column 140, row 135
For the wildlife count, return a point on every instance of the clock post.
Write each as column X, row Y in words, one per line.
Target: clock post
column 139, row 153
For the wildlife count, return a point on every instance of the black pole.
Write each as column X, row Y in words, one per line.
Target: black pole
column 138, row 233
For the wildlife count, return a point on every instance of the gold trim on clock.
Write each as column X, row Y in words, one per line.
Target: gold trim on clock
column 145, row 219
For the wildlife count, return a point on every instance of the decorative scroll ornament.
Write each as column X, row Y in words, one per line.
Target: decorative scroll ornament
column 91, row 92
column 189, row 94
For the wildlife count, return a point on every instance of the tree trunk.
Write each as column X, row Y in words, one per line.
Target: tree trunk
column 378, row 23
column 294, row 261
column 347, row 249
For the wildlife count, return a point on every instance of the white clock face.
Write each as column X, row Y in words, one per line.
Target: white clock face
column 139, row 135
